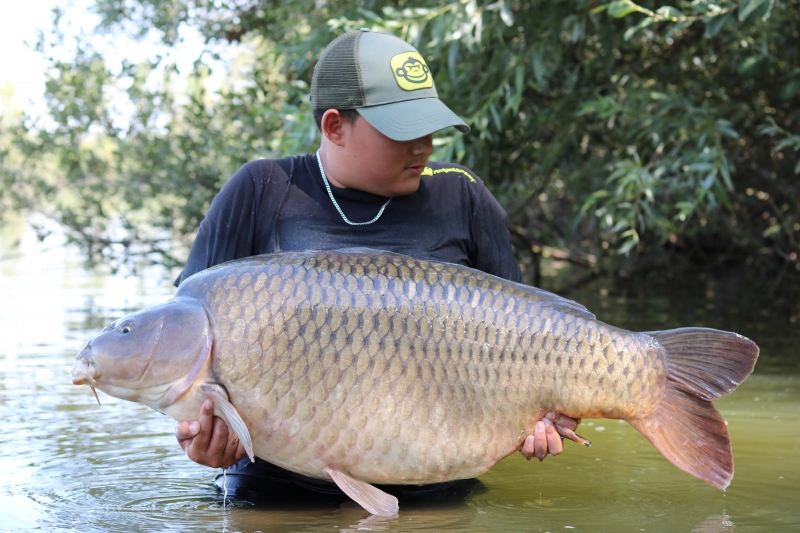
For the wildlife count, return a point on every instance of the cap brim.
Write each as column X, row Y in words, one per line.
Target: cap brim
column 412, row 119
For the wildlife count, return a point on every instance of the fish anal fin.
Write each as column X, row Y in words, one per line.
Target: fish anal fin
column 689, row 432
column 367, row 496
column 224, row 407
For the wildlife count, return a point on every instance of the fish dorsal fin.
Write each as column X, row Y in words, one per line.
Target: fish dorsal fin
column 365, row 250
column 559, row 303
column 225, row 408
column 546, row 299
column 367, row 496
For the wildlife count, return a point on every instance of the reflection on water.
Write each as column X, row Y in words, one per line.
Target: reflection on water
column 715, row 524
column 69, row 465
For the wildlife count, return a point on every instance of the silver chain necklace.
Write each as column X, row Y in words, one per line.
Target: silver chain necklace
column 336, row 205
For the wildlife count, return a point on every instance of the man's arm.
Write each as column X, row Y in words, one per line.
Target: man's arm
column 227, row 230
column 491, row 250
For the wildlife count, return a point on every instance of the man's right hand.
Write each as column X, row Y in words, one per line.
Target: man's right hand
column 208, row 441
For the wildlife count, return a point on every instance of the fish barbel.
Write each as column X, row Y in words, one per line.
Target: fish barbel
column 363, row 367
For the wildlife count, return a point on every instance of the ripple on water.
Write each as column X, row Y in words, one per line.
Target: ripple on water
column 620, row 484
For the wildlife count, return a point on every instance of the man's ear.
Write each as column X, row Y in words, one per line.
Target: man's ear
column 332, row 126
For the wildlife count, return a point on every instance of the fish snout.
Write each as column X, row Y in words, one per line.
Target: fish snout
column 83, row 372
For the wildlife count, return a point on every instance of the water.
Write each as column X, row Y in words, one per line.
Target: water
column 68, row 465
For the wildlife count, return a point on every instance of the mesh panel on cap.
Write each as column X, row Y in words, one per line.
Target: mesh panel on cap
column 337, row 79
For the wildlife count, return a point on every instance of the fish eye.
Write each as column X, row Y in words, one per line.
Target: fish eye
column 126, row 328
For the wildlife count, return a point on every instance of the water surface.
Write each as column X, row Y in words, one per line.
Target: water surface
column 69, row 465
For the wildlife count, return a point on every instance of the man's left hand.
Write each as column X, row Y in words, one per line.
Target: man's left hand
column 546, row 438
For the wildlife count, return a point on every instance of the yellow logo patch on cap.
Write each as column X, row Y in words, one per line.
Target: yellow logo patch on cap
column 411, row 72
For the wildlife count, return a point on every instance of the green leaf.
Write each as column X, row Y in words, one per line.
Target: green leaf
column 496, row 116
column 699, row 167
column 747, row 7
column 669, row 12
column 622, row 8
column 628, row 246
column 538, row 64
column 766, row 10
column 715, row 24
column 792, row 141
column 726, row 175
column 680, row 26
column 519, row 79
column 506, row 15
column 750, row 65
column 630, row 32
column 790, row 89
column 452, row 60
column 726, row 128
column 723, row 196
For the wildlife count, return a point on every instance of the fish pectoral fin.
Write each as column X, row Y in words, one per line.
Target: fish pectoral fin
column 222, row 405
column 571, row 435
column 367, row 496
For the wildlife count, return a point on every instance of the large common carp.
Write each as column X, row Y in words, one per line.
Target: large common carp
column 370, row 367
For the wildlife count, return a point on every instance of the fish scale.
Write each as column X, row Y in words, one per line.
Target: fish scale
column 425, row 349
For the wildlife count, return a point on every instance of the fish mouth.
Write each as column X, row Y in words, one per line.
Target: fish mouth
column 82, row 372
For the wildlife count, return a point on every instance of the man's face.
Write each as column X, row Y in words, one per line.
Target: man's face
column 375, row 163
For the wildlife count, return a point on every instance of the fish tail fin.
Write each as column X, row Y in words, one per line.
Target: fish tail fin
column 703, row 364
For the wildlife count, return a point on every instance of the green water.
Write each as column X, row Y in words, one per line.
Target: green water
column 69, row 465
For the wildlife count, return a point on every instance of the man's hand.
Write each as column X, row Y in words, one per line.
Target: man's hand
column 546, row 438
column 209, row 442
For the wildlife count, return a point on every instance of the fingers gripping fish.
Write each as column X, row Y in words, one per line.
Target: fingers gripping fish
column 366, row 367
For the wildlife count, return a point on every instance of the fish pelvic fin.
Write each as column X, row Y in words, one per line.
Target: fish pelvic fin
column 703, row 364
column 367, row 496
column 222, row 405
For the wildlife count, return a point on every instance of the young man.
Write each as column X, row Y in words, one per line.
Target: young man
column 369, row 185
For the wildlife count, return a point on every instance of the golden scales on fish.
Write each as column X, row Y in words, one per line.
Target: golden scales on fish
column 363, row 367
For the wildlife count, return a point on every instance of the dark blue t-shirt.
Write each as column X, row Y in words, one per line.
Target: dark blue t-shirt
column 282, row 205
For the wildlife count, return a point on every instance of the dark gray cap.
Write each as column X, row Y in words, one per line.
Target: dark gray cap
column 386, row 80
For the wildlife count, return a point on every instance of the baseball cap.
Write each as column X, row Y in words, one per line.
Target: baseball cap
column 386, row 80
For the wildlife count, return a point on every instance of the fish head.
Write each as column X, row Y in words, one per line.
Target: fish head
column 152, row 356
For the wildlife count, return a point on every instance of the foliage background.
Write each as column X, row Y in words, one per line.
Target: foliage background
column 616, row 135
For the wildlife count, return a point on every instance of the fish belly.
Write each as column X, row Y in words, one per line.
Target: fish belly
column 396, row 370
